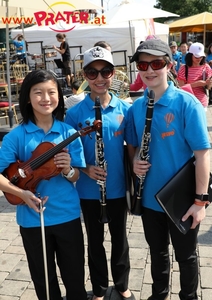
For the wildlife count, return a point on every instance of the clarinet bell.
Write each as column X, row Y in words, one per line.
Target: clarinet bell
column 104, row 217
column 136, row 207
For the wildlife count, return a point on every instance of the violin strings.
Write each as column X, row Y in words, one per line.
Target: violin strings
column 41, row 159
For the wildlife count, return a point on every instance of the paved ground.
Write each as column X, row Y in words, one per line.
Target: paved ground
column 15, row 282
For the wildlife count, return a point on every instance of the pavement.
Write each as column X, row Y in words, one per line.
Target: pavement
column 16, row 284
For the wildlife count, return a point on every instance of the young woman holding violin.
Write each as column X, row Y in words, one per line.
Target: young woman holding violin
column 42, row 107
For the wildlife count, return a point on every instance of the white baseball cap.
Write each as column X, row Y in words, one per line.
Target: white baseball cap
column 197, row 49
column 97, row 53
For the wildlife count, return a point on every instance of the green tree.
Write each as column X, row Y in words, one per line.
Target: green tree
column 185, row 8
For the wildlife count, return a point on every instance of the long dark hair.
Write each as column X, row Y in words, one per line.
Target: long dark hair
column 188, row 60
column 209, row 49
column 30, row 80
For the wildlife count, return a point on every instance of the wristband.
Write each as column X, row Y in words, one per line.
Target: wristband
column 202, row 197
column 70, row 173
column 201, row 203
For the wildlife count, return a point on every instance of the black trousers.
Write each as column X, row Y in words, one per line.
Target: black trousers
column 157, row 229
column 120, row 265
column 65, row 241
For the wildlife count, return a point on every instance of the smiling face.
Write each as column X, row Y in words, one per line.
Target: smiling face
column 154, row 79
column 100, row 85
column 184, row 48
column 44, row 99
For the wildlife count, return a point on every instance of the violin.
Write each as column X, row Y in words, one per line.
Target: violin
column 27, row 175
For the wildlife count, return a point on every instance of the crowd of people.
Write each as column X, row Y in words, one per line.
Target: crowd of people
column 190, row 70
column 88, row 174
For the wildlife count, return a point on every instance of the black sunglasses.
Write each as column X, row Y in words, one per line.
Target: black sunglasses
column 154, row 64
column 92, row 73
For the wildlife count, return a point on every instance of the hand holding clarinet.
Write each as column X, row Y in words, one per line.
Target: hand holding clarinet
column 102, row 164
column 141, row 164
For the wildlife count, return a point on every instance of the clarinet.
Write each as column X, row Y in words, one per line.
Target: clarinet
column 143, row 154
column 101, row 162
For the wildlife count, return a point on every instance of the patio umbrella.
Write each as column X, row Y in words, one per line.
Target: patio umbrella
column 28, row 8
column 197, row 23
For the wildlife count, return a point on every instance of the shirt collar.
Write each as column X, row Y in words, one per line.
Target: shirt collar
column 167, row 96
column 90, row 103
column 31, row 127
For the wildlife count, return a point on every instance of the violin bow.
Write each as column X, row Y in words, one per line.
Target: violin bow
column 44, row 247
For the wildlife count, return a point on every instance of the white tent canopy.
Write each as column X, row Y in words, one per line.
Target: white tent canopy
column 131, row 11
column 86, row 35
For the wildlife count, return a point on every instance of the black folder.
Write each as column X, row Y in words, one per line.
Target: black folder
column 177, row 195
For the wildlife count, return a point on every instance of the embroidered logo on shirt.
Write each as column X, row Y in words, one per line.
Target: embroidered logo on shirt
column 169, row 118
column 168, row 133
column 120, row 119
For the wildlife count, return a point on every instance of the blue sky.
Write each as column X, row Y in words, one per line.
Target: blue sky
column 108, row 4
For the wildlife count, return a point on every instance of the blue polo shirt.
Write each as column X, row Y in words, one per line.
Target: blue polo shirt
column 63, row 204
column 19, row 44
column 176, row 55
column 180, row 61
column 115, row 131
column 178, row 128
column 209, row 58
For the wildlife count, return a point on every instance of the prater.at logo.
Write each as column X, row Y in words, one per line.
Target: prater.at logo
column 66, row 18
column 60, row 17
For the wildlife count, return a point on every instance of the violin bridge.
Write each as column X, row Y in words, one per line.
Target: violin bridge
column 21, row 173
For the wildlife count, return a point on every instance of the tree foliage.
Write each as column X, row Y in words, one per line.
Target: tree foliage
column 185, row 8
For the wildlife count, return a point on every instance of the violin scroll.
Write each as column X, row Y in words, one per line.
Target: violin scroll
column 97, row 124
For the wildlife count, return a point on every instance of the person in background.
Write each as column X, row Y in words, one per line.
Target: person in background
column 209, row 61
column 64, row 50
column 181, row 59
column 178, row 117
column 20, row 46
column 209, row 55
column 98, row 68
column 103, row 44
column 196, row 72
column 137, row 84
column 189, row 43
column 175, row 54
column 75, row 98
column 42, row 108
column 151, row 37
